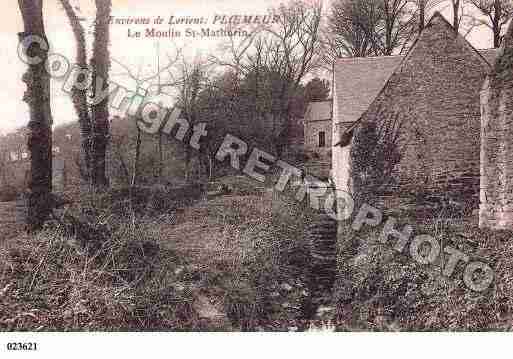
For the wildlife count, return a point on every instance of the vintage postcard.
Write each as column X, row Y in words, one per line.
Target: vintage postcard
column 268, row 166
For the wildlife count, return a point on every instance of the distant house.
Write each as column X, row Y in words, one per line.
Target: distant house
column 318, row 134
column 21, row 154
column 14, row 156
column 318, row 128
column 434, row 94
column 17, row 163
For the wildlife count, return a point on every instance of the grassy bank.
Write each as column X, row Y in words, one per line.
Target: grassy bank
column 382, row 289
column 233, row 263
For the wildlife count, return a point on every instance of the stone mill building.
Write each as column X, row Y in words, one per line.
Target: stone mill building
column 318, row 134
column 448, row 108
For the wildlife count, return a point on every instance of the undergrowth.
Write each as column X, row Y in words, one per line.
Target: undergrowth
column 234, row 263
column 383, row 290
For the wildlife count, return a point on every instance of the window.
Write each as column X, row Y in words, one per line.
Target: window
column 322, row 139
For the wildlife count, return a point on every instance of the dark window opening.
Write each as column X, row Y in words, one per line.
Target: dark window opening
column 322, row 139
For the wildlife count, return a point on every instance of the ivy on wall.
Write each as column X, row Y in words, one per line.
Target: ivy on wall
column 375, row 153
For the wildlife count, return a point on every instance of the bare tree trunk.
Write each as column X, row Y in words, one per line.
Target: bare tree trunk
column 100, row 112
column 496, row 23
column 187, row 173
column 37, row 97
column 497, row 13
column 135, row 173
column 210, row 168
column 456, row 14
column 126, row 173
column 159, row 91
column 79, row 97
column 161, row 158
column 422, row 14
column 496, row 37
column 135, row 176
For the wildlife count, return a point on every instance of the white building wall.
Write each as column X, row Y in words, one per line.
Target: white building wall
column 340, row 155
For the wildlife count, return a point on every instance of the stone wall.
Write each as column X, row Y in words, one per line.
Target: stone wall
column 312, row 129
column 496, row 208
column 318, row 159
column 435, row 94
column 318, row 118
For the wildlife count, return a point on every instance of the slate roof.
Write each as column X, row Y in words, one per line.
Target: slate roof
column 319, row 110
column 490, row 55
column 358, row 81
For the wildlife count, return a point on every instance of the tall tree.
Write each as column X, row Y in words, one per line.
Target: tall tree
column 497, row 14
column 141, row 84
column 294, row 46
column 456, row 18
column 79, row 96
column 272, row 64
column 422, row 8
column 37, row 97
column 422, row 14
column 317, row 90
column 363, row 28
column 193, row 79
column 350, row 22
column 100, row 64
column 397, row 25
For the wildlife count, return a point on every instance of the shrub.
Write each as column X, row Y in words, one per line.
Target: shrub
column 381, row 289
column 53, row 283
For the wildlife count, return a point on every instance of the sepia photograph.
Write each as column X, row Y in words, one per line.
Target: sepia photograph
column 202, row 171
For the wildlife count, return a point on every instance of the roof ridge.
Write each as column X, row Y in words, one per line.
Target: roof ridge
column 438, row 14
column 367, row 58
column 495, row 49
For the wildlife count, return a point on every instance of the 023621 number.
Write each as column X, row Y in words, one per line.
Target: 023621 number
column 21, row 346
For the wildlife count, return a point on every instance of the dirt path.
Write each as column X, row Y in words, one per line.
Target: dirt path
column 237, row 249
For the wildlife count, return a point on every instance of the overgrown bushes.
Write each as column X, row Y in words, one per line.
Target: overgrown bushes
column 244, row 255
column 51, row 282
column 381, row 289
column 374, row 155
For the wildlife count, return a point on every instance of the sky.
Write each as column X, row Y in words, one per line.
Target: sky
column 130, row 51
